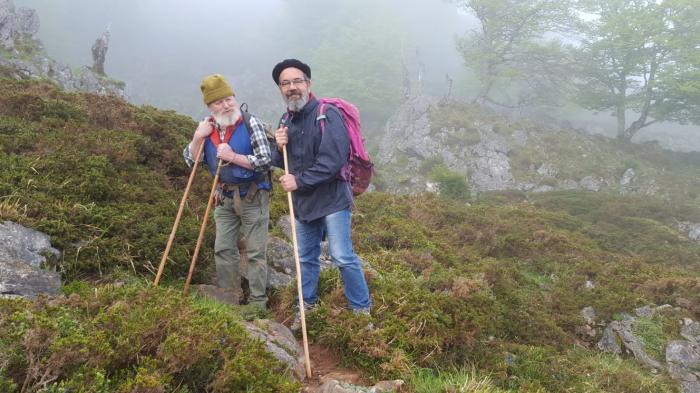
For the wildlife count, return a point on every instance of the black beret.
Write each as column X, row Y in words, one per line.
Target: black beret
column 286, row 63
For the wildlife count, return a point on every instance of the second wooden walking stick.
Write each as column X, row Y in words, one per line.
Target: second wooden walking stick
column 203, row 228
column 298, row 267
column 178, row 216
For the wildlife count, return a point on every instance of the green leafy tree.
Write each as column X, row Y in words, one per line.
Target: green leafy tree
column 516, row 60
column 640, row 57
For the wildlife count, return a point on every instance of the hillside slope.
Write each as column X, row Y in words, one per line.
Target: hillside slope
column 425, row 141
column 491, row 290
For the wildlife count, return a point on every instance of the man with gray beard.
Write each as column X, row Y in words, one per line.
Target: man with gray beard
column 322, row 200
column 243, row 191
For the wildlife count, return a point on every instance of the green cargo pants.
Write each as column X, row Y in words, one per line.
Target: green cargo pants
column 251, row 224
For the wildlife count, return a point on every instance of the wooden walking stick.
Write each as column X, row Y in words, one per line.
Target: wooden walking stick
column 298, row 267
column 178, row 216
column 203, row 228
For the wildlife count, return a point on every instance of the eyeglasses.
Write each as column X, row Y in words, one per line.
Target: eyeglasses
column 297, row 81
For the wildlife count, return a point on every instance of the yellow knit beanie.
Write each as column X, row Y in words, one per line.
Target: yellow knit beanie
column 214, row 87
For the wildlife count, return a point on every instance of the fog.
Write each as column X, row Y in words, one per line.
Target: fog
column 163, row 48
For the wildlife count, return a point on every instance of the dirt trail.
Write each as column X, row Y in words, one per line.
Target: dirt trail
column 325, row 365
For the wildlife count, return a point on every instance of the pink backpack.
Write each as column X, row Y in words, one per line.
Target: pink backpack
column 359, row 169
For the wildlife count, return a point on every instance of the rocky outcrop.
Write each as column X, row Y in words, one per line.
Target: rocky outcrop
column 493, row 152
column 18, row 278
column 23, row 252
column 99, row 53
column 16, row 23
column 25, row 57
column 280, row 342
column 489, row 164
column 624, row 332
column 334, row 386
column 408, row 137
column 481, row 154
column 26, row 245
column 632, row 184
column 410, row 141
column 692, row 229
column 682, row 357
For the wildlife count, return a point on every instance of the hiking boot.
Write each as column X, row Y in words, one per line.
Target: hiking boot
column 260, row 304
column 295, row 327
column 364, row 311
column 253, row 311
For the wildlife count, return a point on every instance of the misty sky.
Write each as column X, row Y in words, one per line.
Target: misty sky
column 163, row 48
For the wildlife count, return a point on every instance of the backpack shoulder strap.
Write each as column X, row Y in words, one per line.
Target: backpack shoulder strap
column 321, row 116
column 284, row 119
column 246, row 117
column 321, row 111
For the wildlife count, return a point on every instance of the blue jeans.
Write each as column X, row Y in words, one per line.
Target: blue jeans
column 309, row 236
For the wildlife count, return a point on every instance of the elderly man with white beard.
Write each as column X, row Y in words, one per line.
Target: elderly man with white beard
column 243, row 191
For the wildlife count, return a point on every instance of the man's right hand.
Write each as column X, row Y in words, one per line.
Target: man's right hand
column 281, row 137
column 204, row 128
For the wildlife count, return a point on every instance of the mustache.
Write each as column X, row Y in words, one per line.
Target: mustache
column 226, row 120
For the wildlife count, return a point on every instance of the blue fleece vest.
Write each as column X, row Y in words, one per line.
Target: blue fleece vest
column 231, row 173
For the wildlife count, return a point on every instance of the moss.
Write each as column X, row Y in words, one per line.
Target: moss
column 655, row 333
column 132, row 338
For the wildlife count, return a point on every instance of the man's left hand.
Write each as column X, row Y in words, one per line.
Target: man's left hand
column 224, row 152
column 288, row 182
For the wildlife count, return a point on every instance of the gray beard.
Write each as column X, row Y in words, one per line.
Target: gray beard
column 229, row 120
column 295, row 105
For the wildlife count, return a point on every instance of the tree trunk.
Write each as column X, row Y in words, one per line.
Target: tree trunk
column 641, row 122
column 622, row 107
column 621, row 122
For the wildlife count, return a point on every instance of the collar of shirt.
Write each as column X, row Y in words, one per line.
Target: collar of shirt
column 222, row 131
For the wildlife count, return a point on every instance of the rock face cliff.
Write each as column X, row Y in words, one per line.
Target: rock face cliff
column 22, row 56
column 23, row 251
column 493, row 153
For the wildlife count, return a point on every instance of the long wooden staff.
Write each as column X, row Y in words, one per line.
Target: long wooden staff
column 178, row 216
column 203, row 228
column 298, row 267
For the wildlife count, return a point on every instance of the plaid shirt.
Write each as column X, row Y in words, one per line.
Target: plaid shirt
column 260, row 159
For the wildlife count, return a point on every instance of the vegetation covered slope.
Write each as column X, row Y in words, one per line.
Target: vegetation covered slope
column 131, row 339
column 461, row 144
column 102, row 177
column 493, row 287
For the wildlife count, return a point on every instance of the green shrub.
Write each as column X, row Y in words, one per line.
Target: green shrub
column 451, row 185
column 132, row 338
column 461, row 381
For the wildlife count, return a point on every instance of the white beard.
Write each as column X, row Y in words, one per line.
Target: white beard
column 227, row 120
column 295, row 105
